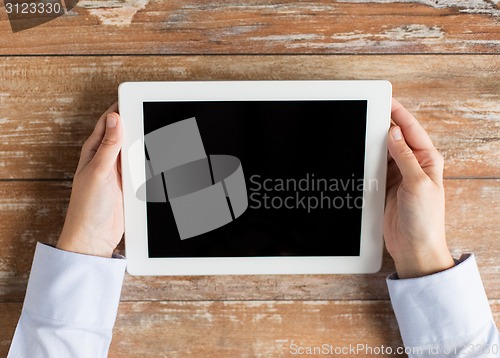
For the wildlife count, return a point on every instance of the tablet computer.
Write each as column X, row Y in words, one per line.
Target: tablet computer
column 254, row 177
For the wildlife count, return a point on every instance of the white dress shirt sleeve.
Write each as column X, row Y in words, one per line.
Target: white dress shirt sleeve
column 70, row 305
column 445, row 314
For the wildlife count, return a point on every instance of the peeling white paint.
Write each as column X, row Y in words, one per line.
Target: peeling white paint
column 349, row 36
column 241, row 29
column 65, row 100
column 400, row 33
column 59, row 121
column 316, row 303
column 43, row 212
column 492, row 114
column 492, row 43
column 5, row 266
column 270, row 306
column 261, row 348
column 282, row 8
column 16, row 206
column 179, row 71
column 487, row 190
column 414, row 31
column 114, row 12
column 390, row 38
column 256, row 318
column 466, row 6
column 286, row 38
column 206, row 316
column 233, row 318
column 27, row 236
column 344, row 45
column 276, row 318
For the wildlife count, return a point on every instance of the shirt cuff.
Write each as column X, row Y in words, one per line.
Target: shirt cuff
column 74, row 288
column 440, row 307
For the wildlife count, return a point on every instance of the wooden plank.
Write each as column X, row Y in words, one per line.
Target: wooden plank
column 49, row 105
column 256, row 27
column 9, row 315
column 31, row 211
column 242, row 329
column 249, row 329
column 255, row 329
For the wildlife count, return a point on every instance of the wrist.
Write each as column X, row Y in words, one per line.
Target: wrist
column 423, row 264
column 85, row 247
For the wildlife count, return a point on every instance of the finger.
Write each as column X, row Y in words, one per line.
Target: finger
column 415, row 135
column 403, row 156
column 431, row 161
column 106, row 157
column 91, row 145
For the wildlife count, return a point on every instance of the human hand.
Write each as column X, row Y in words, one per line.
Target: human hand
column 94, row 221
column 414, row 223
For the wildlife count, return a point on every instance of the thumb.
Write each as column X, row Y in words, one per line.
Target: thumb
column 111, row 144
column 403, row 156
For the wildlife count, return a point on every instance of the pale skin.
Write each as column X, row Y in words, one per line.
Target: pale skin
column 414, row 223
column 414, row 229
column 94, row 222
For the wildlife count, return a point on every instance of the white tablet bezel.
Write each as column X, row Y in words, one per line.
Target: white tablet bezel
column 378, row 95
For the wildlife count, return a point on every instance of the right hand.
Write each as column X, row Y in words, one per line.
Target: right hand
column 414, row 223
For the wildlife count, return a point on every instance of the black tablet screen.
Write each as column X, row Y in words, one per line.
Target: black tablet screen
column 302, row 164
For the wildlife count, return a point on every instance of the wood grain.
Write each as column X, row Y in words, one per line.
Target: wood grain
column 253, row 329
column 49, row 105
column 241, row 329
column 262, row 27
column 33, row 211
column 249, row 329
column 441, row 57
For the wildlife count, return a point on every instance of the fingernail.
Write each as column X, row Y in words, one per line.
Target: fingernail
column 396, row 133
column 111, row 121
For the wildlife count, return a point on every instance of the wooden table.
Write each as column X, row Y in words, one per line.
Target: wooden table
column 55, row 80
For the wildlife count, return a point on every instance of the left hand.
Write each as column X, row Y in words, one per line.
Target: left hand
column 94, row 222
